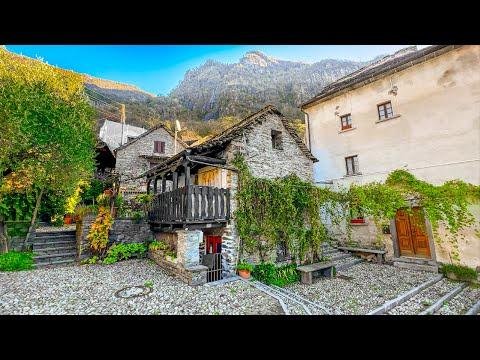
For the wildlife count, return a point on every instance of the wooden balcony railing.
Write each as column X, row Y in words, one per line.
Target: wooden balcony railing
column 191, row 204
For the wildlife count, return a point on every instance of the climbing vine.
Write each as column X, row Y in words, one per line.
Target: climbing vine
column 297, row 213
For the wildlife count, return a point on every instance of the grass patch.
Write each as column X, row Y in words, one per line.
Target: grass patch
column 459, row 272
column 16, row 261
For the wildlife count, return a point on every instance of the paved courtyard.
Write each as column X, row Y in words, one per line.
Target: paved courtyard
column 91, row 289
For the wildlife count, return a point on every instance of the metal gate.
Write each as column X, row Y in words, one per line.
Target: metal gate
column 214, row 264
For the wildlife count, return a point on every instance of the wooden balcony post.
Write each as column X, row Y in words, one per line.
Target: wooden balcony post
column 148, row 185
column 175, row 180
column 188, row 204
column 164, row 183
column 155, row 181
column 187, row 174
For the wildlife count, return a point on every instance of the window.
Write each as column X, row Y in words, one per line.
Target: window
column 385, row 110
column 346, row 121
column 352, row 165
column 277, row 140
column 159, row 147
column 356, row 216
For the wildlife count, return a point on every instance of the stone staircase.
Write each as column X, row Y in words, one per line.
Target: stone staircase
column 341, row 259
column 54, row 248
column 437, row 296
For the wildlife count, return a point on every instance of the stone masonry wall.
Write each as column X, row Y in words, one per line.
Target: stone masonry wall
column 265, row 161
column 130, row 164
column 129, row 231
column 82, row 229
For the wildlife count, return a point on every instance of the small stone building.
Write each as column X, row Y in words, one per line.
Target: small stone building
column 195, row 216
column 143, row 152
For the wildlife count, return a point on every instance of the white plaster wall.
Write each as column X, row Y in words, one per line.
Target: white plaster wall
column 436, row 137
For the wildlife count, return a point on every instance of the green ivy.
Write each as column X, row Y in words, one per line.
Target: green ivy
column 288, row 209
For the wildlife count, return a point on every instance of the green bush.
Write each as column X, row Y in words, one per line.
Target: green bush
column 463, row 273
column 16, row 261
column 124, row 251
column 270, row 274
column 158, row 245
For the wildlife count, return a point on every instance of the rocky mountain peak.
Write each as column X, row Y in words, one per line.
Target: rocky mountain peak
column 257, row 58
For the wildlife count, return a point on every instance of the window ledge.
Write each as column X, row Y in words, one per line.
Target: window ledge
column 342, row 131
column 359, row 224
column 390, row 118
column 350, row 175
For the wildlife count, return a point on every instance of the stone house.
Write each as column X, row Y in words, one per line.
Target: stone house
column 143, row 152
column 195, row 217
column 417, row 110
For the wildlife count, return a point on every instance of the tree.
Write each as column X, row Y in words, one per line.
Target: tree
column 47, row 137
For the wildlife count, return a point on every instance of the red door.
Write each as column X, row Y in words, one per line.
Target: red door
column 411, row 233
column 214, row 244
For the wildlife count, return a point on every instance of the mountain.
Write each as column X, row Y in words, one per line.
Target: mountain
column 215, row 90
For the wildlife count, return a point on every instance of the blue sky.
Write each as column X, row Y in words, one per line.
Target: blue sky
column 159, row 68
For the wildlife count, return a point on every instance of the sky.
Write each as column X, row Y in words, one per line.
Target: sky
column 159, row 68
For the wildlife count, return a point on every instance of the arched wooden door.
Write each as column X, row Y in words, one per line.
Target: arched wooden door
column 411, row 233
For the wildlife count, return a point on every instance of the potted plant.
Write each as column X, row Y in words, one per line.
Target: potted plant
column 244, row 269
column 68, row 219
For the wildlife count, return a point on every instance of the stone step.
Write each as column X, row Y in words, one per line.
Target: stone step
column 348, row 264
column 424, row 299
column 54, row 234
column 339, row 256
column 461, row 302
column 414, row 266
column 54, row 257
column 50, row 244
column 331, row 251
column 55, row 263
column 414, row 260
column 54, row 250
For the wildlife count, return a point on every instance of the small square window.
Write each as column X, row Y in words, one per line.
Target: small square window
column 159, row 147
column 385, row 110
column 277, row 140
column 346, row 121
column 351, row 163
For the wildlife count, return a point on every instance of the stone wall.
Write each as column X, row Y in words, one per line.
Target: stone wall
column 193, row 275
column 130, row 162
column 129, row 231
column 122, row 231
column 263, row 160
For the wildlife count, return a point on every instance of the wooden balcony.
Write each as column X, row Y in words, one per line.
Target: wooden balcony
column 192, row 206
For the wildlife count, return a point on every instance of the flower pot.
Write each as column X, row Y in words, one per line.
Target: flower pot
column 244, row 274
column 358, row 221
column 108, row 192
column 67, row 219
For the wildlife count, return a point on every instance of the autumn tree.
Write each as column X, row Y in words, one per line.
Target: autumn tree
column 47, row 139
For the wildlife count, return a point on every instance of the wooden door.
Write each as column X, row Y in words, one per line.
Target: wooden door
column 411, row 233
column 404, row 237
column 420, row 241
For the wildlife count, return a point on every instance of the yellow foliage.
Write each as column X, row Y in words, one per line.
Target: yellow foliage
column 98, row 234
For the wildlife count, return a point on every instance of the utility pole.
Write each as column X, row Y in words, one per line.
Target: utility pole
column 177, row 128
column 122, row 118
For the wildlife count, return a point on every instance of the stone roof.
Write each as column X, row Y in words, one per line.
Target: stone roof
column 389, row 64
column 170, row 132
column 232, row 132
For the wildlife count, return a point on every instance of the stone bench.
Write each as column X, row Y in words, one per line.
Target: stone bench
column 307, row 271
column 380, row 254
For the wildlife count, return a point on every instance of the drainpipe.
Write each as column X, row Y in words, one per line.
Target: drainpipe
column 308, row 129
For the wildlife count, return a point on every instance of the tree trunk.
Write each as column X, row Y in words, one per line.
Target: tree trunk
column 3, row 236
column 34, row 218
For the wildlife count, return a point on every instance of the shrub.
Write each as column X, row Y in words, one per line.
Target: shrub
column 93, row 260
column 270, row 274
column 157, row 245
column 124, row 251
column 242, row 265
column 460, row 272
column 16, row 261
column 98, row 234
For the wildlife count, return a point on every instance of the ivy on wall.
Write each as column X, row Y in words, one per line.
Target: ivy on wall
column 287, row 210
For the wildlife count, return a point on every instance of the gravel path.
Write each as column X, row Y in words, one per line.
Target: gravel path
column 366, row 287
column 424, row 298
column 461, row 303
column 90, row 289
